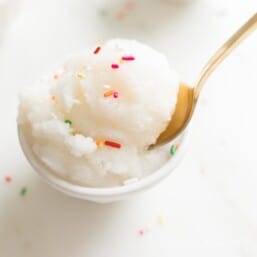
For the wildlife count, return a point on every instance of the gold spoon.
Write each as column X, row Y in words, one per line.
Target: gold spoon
column 188, row 97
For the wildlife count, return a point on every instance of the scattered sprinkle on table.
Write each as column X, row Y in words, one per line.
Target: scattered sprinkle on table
column 115, row 66
column 112, row 144
column 202, row 171
column 120, row 15
column 141, row 232
column 53, row 97
column 23, row 191
column 68, row 122
column 103, row 12
column 97, row 50
column 160, row 218
column 80, row 75
column 130, row 5
column 8, row 179
column 56, row 76
column 173, row 149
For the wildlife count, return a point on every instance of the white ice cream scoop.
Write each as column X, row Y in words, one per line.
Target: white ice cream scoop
column 91, row 121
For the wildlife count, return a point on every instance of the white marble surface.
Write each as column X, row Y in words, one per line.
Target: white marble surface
column 209, row 203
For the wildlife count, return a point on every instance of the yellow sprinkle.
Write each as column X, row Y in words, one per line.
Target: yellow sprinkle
column 121, row 61
column 99, row 143
column 160, row 219
column 80, row 75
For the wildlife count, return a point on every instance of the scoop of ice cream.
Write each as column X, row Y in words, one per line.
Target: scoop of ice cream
column 93, row 120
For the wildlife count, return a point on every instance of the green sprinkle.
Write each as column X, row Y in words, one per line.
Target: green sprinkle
column 68, row 122
column 103, row 12
column 23, row 191
column 173, row 149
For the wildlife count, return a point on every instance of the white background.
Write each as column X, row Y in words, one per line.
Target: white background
column 209, row 202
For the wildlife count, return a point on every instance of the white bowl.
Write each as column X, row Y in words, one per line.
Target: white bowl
column 102, row 195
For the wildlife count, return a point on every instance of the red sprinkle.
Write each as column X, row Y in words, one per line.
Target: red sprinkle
column 141, row 232
column 97, row 50
column 112, row 144
column 128, row 58
column 115, row 66
column 116, row 94
column 8, row 179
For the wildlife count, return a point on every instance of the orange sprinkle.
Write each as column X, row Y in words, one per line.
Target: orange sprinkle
column 120, row 16
column 99, row 143
column 53, row 97
column 121, row 61
column 56, row 76
column 130, row 5
column 108, row 93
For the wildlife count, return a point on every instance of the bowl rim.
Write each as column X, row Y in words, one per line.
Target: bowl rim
column 83, row 191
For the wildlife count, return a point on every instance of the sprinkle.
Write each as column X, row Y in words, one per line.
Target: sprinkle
column 107, row 86
column 112, row 144
column 160, row 218
column 103, row 12
column 115, row 66
column 89, row 68
column 23, row 191
column 80, row 75
column 202, row 171
column 99, row 143
column 141, row 232
column 109, row 93
column 128, row 58
column 120, row 15
column 53, row 97
column 8, row 179
column 68, row 122
column 116, row 94
column 130, row 5
column 173, row 150
column 121, row 61
column 97, row 50
column 56, row 76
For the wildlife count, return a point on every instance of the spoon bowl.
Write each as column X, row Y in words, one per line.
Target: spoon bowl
column 188, row 97
column 182, row 115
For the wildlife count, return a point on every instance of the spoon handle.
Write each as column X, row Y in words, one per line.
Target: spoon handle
column 223, row 52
